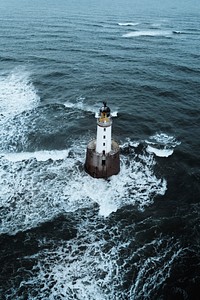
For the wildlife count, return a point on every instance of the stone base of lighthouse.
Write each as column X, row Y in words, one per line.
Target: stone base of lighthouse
column 101, row 165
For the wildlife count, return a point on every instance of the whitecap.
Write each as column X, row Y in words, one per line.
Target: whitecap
column 114, row 114
column 128, row 24
column 17, row 95
column 147, row 33
column 161, row 144
column 160, row 152
column 164, row 139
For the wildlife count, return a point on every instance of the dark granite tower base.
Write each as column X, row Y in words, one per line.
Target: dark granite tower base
column 100, row 165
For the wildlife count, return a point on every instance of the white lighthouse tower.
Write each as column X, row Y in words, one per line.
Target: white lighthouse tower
column 104, row 128
column 102, row 158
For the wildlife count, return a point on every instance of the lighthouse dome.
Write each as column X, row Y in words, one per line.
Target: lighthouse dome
column 105, row 109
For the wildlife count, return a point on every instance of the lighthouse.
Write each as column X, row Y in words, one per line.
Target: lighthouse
column 102, row 157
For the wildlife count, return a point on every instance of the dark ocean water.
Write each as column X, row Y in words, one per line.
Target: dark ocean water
column 63, row 234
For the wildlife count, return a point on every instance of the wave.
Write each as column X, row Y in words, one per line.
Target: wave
column 128, row 24
column 38, row 155
column 160, row 152
column 148, row 33
column 17, row 97
column 177, row 32
column 162, row 145
column 17, row 93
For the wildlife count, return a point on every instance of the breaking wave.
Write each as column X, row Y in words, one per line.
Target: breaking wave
column 128, row 24
column 17, row 93
column 162, row 145
column 148, row 33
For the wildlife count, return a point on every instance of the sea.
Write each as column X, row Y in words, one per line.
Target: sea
column 63, row 234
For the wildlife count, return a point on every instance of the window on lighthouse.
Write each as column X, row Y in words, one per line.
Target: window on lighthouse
column 104, row 129
column 104, row 136
column 104, row 144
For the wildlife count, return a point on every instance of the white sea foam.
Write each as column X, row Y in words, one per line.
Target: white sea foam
column 17, row 93
column 165, row 139
column 128, row 24
column 147, row 33
column 154, row 270
column 161, row 144
column 39, row 155
column 160, row 152
column 114, row 114
column 93, row 274
column 92, row 267
column 130, row 143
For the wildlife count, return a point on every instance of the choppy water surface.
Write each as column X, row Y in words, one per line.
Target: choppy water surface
column 63, row 234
